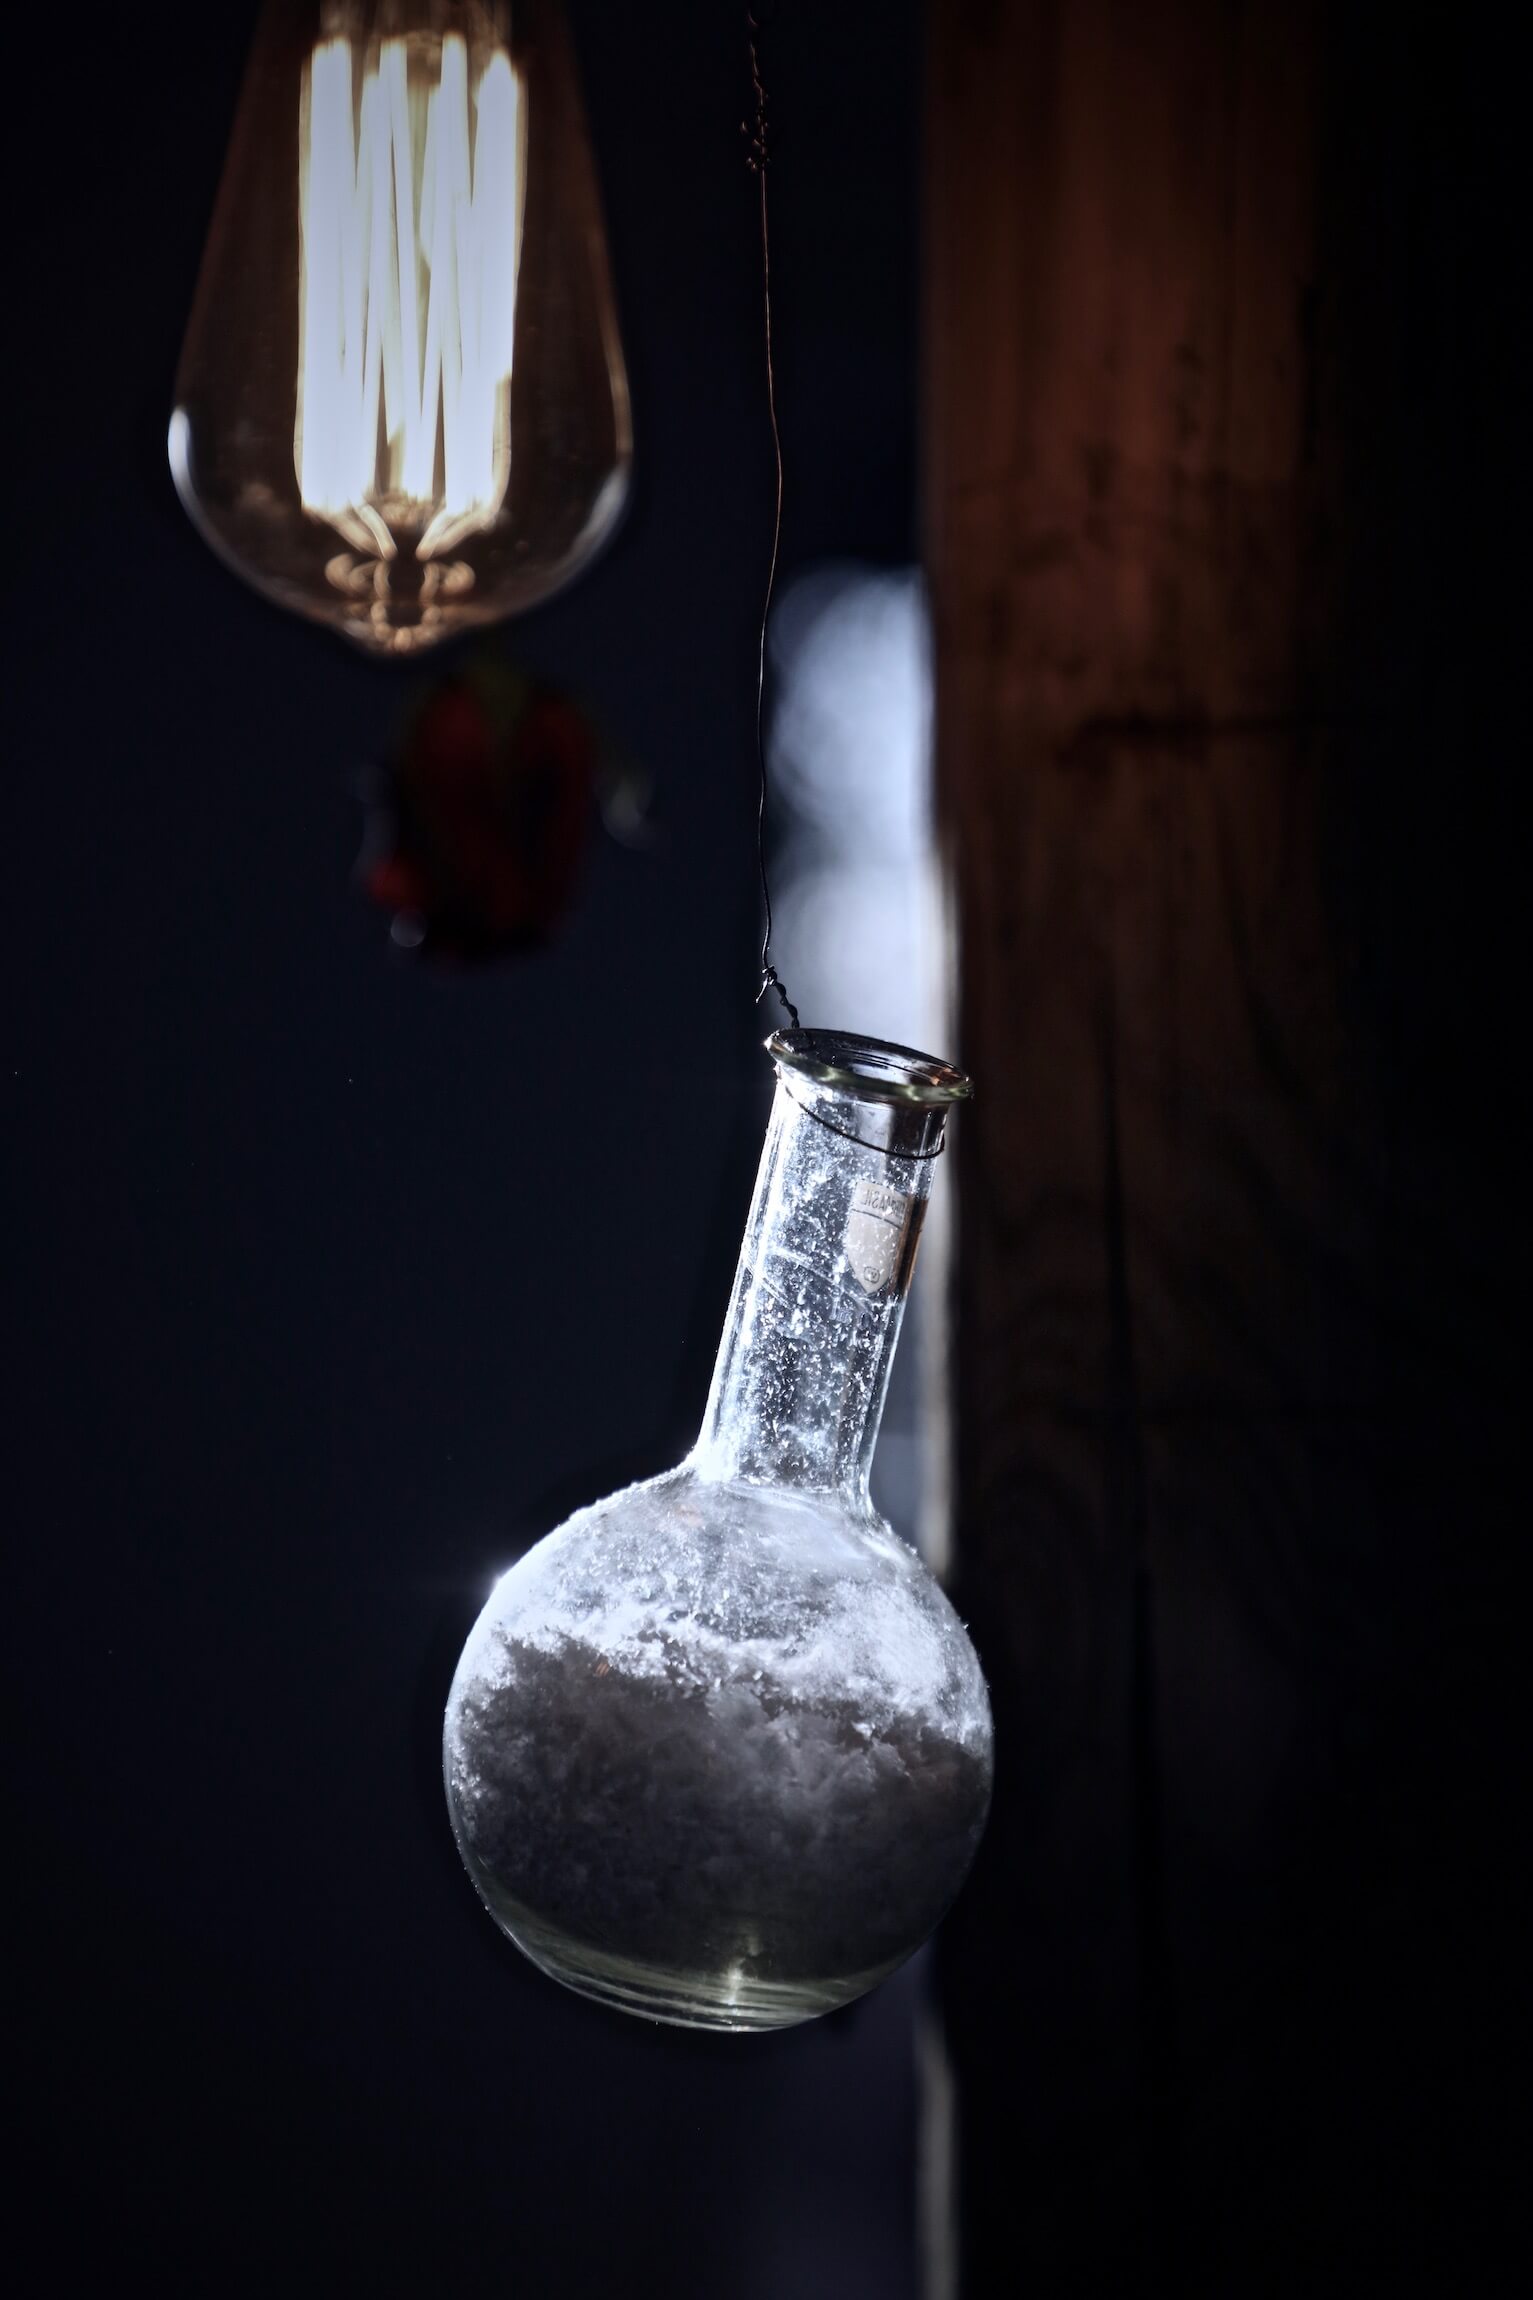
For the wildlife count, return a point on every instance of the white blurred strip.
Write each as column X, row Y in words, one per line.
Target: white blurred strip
column 862, row 920
column 937, row 2159
column 856, row 887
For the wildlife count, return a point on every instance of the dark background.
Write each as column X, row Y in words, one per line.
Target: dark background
column 337, row 1280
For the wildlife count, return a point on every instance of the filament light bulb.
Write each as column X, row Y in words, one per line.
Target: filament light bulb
column 401, row 407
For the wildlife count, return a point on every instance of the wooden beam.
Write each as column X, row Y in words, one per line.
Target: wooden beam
column 1230, row 1300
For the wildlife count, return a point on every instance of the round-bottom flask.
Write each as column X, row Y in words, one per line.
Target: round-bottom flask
column 719, row 1749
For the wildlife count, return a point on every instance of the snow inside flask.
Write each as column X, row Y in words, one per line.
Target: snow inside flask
column 718, row 1750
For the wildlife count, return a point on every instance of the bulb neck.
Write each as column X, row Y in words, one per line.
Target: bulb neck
column 825, row 1267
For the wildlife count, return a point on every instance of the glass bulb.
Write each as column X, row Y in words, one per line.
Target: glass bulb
column 401, row 407
column 718, row 1750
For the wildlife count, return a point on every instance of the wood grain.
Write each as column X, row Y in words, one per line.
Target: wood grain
column 1235, row 1280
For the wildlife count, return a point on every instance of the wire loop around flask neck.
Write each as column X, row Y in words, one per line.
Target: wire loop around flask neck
column 884, row 1150
column 871, row 1070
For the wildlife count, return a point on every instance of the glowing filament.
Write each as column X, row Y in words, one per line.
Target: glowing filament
column 410, row 208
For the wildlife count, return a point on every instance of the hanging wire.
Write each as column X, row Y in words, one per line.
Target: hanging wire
column 755, row 132
column 757, row 157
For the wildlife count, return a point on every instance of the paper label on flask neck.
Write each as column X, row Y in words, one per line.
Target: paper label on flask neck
column 877, row 1225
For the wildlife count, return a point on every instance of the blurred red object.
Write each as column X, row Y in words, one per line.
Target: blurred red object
column 483, row 815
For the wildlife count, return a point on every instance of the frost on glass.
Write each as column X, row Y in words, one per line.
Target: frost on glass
column 719, row 1749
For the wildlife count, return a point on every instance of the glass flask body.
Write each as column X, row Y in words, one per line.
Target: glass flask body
column 401, row 407
column 719, row 1749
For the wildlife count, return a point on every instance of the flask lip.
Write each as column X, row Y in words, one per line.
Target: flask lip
column 869, row 1069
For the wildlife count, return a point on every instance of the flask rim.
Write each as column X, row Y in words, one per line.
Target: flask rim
column 869, row 1069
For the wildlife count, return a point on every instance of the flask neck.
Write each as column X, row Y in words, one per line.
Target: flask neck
column 803, row 1367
